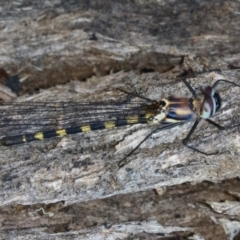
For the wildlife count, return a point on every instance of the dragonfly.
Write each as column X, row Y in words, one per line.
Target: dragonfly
column 24, row 122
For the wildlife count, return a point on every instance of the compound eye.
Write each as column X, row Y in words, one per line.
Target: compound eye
column 217, row 100
column 207, row 108
column 211, row 102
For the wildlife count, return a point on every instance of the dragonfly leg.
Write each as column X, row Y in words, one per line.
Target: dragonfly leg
column 192, row 74
column 226, row 81
column 136, row 95
column 124, row 161
column 185, row 140
column 184, row 79
column 221, row 127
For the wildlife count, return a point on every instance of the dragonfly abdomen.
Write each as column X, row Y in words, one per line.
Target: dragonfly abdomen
column 86, row 127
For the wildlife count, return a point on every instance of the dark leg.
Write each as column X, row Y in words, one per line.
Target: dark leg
column 123, row 162
column 185, row 140
column 136, row 95
column 221, row 127
column 215, row 124
column 210, row 70
column 222, row 80
column 184, row 79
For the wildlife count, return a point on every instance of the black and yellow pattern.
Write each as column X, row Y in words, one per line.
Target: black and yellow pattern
column 47, row 120
column 96, row 125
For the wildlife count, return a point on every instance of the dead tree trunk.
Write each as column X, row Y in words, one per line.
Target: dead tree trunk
column 72, row 187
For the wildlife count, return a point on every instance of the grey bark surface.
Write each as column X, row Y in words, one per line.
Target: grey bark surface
column 71, row 187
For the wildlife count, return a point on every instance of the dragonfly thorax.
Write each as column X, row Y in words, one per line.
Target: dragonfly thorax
column 160, row 113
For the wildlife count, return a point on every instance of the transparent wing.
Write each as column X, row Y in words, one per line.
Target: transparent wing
column 27, row 117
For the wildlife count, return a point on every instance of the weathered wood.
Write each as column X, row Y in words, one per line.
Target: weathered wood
column 72, row 187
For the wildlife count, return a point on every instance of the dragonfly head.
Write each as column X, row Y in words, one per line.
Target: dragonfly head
column 211, row 102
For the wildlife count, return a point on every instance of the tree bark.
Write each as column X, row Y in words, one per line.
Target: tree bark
column 72, row 187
